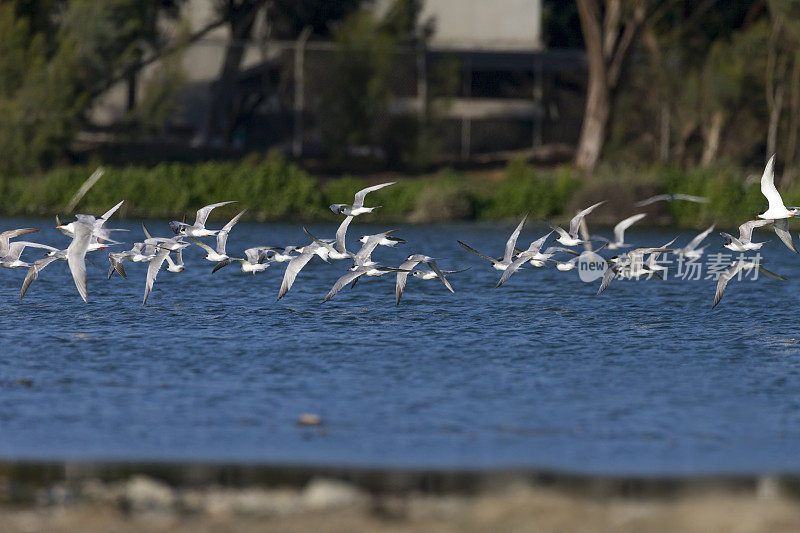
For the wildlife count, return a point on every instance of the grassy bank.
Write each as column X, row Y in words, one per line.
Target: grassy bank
column 275, row 189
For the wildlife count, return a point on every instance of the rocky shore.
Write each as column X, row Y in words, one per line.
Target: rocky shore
column 87, row 498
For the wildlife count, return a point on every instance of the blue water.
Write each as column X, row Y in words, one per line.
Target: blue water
column 540, row 373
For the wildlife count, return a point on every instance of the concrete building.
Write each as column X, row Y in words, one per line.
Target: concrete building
column 513, row 94
column 500, row 25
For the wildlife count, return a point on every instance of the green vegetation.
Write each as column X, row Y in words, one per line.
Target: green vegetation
column 369, row 67
column 276, row 189
column 733, row 197
column 56, row 56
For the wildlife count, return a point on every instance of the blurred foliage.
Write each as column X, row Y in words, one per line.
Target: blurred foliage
column 274, row 188
column 288, row 17
column 561, row 26
column 283, row 189
column 356, row 101
column 702, row 89
column 707, row 81
column 159, row 100
column 54, row 56
column 37, row 121
column 527, row 189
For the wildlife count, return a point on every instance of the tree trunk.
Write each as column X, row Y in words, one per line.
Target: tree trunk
column 663, row 147
column 154, row 56
column 595, row 122
column 774, row 120
column 597, row 111
column 777, row 64
column 219, row 120
column 683, row 137
column 299, row 91
column 712, row 134
column 608, row 47
column 131, row 82
column 790, row 171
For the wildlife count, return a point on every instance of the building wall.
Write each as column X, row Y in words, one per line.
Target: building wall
column 201, row 63
column 496, row 41
column 485, row 24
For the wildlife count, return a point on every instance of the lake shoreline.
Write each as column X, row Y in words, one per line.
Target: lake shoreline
column 93, row 497
column 28, row 474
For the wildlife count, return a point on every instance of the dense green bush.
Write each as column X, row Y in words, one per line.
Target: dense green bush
column 524, row 188
column 733, row 198
column 55, row 58
column 273, row 188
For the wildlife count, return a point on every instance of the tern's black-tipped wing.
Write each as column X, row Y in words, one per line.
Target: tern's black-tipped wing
column 476, row 252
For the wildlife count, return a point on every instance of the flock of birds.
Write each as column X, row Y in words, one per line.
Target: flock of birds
column 90, row 234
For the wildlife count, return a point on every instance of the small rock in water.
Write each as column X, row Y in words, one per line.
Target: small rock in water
column 24, row 382
column 309, row 419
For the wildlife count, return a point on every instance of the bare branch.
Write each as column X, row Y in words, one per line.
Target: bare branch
column 589, row 14
column 772, row 57
column 156, row 55
column 794, row 115
column 620, row 55
column 611, row 26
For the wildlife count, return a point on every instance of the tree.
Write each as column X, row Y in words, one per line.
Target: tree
column 782, row 79
column 241, row 17
column 696, row 93
column 608, row 35
column 54, row 57
column 706, row 42
column 284, row 19
column 356, row 102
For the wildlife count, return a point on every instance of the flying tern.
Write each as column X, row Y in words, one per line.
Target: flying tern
column 691, row 250
column 745, row 241
column 408, row 266
column 198, row 229
column 255, row 260
column 733, row 270
column 619, row 232
column 6, row 236
column 776, row 210
column 526, row 255
column 11, row 259
column 219, row 254
column 672, row 198
column 339, row 250
column 358, row 203
column 508, row 258
column 629, row 265
column 164, row 249
column 571, row 238
column 296, row 264
column 356, row 272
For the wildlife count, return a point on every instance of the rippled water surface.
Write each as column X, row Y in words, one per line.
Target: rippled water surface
column 539, row 373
